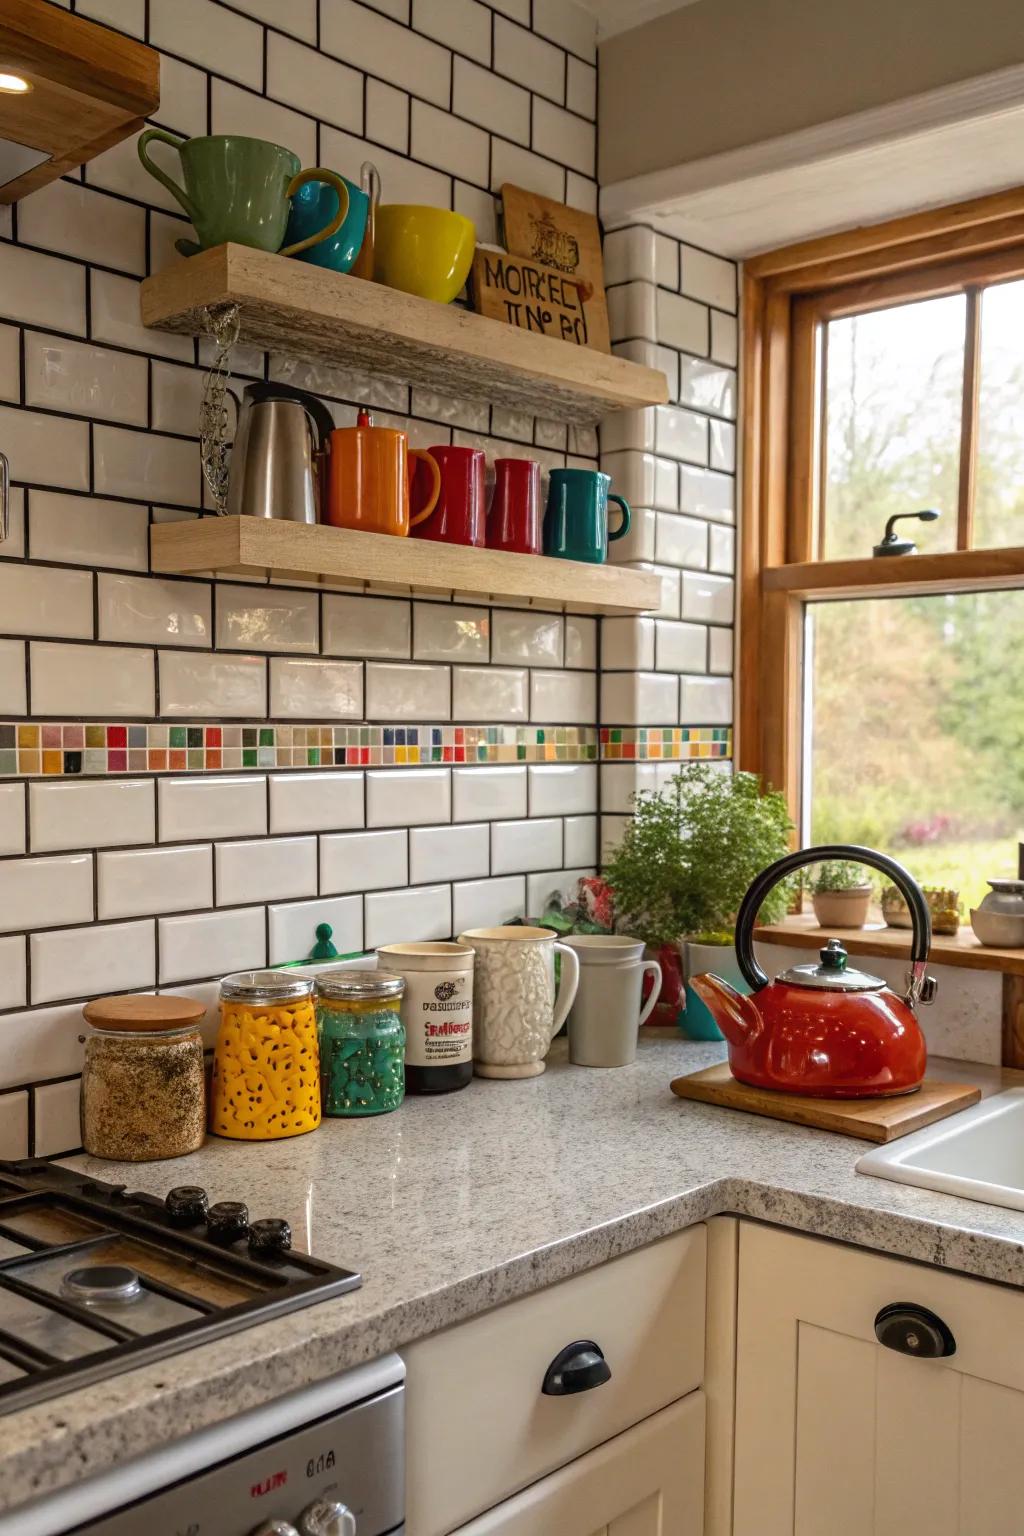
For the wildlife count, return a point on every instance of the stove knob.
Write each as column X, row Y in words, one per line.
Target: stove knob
column 325, row 1518
column 227, row 1221
column 275, row 1528
column 186, row 1205
column 270, row 1236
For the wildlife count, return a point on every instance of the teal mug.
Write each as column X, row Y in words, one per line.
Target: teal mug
column 576, row 519
column 241, row 189
column 314, row 205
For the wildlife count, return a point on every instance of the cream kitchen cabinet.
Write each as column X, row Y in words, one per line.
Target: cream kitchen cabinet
column 646, row 1482
column 837, row 1435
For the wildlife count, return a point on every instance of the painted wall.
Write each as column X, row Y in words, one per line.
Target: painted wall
column 721, row 74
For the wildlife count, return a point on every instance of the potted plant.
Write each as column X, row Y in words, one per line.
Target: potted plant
column 841, row 894
column 683, row 866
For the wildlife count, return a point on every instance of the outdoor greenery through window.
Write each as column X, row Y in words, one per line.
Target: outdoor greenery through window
column 915, row 723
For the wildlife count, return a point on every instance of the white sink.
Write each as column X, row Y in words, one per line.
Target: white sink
column 978, row 1153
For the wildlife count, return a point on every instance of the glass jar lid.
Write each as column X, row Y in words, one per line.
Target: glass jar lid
column 265, row 987
column 357, row 986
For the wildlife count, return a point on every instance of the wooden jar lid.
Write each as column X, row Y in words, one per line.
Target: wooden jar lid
column 131, row 1011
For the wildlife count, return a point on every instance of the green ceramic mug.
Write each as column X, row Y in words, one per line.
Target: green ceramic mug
column 240, row 189
column 576, row 519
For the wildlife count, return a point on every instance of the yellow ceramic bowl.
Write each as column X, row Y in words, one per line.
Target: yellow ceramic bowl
column 427, row 251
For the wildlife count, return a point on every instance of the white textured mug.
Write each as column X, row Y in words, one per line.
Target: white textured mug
column 516, row 1014
column 606, row 1014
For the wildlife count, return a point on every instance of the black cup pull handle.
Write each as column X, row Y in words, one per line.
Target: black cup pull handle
column 576, row 1368
column 914, row 1331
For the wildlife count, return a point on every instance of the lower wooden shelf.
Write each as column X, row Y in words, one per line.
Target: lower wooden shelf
column 960, row 949
column 259, row 547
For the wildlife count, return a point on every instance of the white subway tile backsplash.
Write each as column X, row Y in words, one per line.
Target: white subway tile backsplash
column 580, row 642
column 364, row 861
column 488, row 903
column 670, row 588
column 680, row 647
column 629, row 255
column 191, row 809
column 182, row 96
column 638, row 543
column 555, row 887
column 115, row 307
column 75, row 376
column 308, row 688
column 681, row 541
column 297, row 17
column 705, row 700
column 149, row 610
column 387, row 115
column 96, row 813
column 396, row 692
column 627, row 645
column 41, row 1043
column 177, row 395
column 77, row 681
column 194, row 686
column 413, row 797
column 45, row 450
column 317, row 85
column 489, row 693
column 709, row 278
column 522, row 638
column 92, row 962
column 41, row 290
column 12, row 818
column 706, row 597
column 680, row 434
column 315, row 802
column 666, row 262
column 639, row 698
column 562, row 789
column 511, row 162
column 150, row 880
column 581, row 88
column 723, row 445
column 38, row 600
column 720, row 651
column 682, row 323
column 723, row 549
column 707, row 387
column 86, row 530
column 394, row 917
column 563, row 136
column 272, row 869
column 461, row 24
column 621, row 781
column 448, row 853
column 529, row 60
column 448, row 143
column 14, row 1125
column 724, row 339
column 632, row 311
column 580, row 845
column 212, row 944
column 293, row 927
column 494, row 103
column 366, row 626
column 56, row 1119
column 569, row 698
column 450, row 632
column 707, row 493
column 366, row 40
column 266, row 619
column 517, row 846
column 45, row 893
column 13, row 547
column 210, row 36
column 483, row 794
column 407, row 182
column 106, row 230
column 146, row 465
column 569, row 25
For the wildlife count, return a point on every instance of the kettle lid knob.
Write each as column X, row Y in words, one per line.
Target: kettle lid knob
column 833, row 957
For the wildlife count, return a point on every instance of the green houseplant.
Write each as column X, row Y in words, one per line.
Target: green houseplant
column 841, row 894
column 684, row 864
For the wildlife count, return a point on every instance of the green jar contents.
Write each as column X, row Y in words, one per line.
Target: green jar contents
column 362, row 1042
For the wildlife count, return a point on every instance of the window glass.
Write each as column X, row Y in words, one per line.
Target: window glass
column 999, row 488
column 892, row 407
column 915, row 733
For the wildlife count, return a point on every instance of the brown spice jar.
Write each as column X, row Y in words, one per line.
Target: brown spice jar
column 143, row 1086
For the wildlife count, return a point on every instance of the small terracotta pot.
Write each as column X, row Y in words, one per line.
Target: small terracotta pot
column 842, row 909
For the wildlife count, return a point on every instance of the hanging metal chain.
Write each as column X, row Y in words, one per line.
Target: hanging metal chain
column 222, row 325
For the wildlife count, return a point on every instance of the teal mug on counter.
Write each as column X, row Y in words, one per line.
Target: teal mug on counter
column 576, row 519
column 241, row 189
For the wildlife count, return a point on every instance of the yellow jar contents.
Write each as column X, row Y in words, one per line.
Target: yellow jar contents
column 266, row 1068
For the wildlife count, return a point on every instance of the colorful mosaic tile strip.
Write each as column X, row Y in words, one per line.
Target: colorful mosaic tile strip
column 669, row 743
column 84, row 750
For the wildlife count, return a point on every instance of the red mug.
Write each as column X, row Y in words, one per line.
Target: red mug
column 460, row 514
column 514, row 522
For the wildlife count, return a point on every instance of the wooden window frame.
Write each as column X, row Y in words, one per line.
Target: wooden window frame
column 786, row 293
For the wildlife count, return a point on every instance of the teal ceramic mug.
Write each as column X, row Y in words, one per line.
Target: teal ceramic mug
column 576, row 519
column 315, row 205
column 240, row 189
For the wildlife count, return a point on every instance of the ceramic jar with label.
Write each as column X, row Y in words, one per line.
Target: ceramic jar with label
column 437, row 1011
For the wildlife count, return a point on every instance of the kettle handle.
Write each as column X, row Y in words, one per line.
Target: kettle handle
column 311, row 404
column 900, row 877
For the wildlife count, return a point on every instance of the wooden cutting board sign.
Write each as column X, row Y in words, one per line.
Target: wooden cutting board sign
column 879, row 1120
column 564, row 239
column 529, row 296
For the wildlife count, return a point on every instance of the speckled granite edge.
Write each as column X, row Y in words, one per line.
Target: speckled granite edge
column 67, row 1439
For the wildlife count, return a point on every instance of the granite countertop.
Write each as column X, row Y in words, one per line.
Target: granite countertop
column 455, row 1204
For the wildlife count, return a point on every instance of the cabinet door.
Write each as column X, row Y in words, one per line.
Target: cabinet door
column 646, row 1482
column 836, row 1433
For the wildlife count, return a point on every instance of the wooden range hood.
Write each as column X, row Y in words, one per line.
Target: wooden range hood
column 90, row 88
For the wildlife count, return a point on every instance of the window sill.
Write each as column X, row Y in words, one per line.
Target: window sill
column 961, row 949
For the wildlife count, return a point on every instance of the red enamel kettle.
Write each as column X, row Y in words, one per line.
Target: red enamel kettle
column 825, row 1030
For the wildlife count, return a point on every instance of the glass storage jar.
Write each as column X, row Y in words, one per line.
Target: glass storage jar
column 362, row 1042
column 143, row 1086
column 266, row 1067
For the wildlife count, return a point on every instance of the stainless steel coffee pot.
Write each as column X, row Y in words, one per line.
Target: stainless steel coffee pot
column 275, row 468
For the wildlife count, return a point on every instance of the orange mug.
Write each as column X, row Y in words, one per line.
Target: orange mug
column 370, row 476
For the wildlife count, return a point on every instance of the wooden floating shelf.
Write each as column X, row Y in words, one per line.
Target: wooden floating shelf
column 957, row 949
column 257, row 547
column 308, row 312
column 909, row 575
